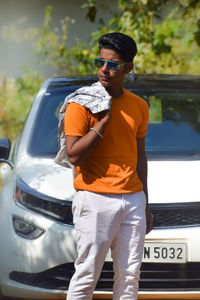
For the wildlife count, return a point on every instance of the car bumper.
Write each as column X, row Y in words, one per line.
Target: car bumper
column 57, row 247
column 169, row 295
column 29, row 293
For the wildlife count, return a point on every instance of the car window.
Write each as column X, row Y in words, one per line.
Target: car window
column 173, row 130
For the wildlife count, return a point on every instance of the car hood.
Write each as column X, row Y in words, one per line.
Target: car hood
column 46, row 177
column 173, row 181
column 168, row 181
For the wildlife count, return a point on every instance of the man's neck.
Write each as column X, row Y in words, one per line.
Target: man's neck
column 115, row 93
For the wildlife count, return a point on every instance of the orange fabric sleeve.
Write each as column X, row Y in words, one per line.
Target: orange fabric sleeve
column 76, row 121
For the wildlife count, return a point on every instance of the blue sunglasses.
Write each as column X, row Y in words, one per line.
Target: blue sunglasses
column 111, row 65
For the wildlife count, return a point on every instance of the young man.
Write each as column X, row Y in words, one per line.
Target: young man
column 110, row 208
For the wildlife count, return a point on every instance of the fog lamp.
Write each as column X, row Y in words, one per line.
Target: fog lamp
column 26, row 229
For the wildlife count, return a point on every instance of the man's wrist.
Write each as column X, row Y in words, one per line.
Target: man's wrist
column 97, row 132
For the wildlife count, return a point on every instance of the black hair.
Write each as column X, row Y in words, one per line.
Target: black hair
column 123, row 44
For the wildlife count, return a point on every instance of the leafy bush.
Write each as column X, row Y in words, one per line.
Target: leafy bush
column 16, row 97
column 167, row 33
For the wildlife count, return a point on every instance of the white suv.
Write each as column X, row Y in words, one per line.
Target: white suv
column 38, row 250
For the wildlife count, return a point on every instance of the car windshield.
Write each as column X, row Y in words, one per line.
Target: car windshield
column 44, row 138
column 174, row 125
column 173, row 130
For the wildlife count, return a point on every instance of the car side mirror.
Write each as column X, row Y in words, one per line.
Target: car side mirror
column 5, row 146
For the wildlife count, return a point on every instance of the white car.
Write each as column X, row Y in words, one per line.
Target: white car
column 37, row 247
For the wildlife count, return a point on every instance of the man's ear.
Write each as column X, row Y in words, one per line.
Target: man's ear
column 128, row 67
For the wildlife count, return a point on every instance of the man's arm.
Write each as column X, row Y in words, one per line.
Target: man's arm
column 79, row 148
column 142, row 173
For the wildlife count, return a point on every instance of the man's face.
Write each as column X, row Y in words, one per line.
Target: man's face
column 112, row 79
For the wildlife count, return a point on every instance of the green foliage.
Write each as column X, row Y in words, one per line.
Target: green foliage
column 52, row 46
column 91, row 10
column 167, row 33
column 15, row 100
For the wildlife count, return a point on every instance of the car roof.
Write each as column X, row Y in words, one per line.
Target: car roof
column 144, row 82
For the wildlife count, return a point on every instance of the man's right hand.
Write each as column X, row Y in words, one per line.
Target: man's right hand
column 104, row 116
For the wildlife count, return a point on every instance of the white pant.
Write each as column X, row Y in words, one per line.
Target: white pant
column 104, row 221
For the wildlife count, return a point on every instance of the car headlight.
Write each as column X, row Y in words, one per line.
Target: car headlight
column 26, row 229
column 50, row 207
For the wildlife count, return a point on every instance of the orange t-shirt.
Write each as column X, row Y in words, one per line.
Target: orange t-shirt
column 111, row 168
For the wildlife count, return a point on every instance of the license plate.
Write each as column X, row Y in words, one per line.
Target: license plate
column 164, row 253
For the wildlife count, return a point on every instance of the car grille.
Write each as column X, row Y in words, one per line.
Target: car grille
column 59, row 277
column 170, row 215
column 170, row 277
column 176, row 215
column 167, row 215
